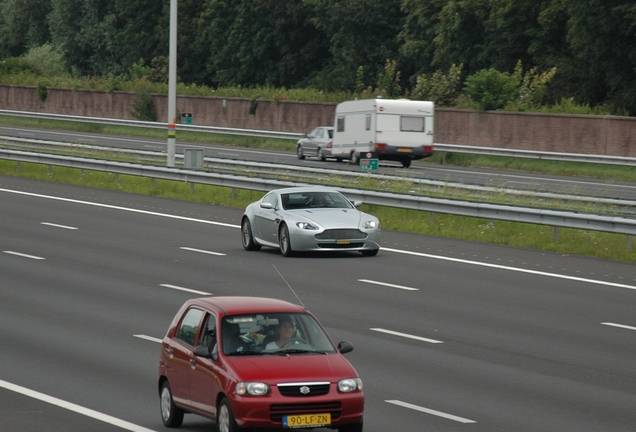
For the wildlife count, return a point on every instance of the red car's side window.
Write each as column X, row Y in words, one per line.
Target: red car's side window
column 189, row 326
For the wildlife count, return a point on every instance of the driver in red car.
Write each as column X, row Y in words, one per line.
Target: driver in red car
column 285, row 331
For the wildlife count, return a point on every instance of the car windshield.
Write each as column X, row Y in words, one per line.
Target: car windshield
column 274, row 333
column 306, row 200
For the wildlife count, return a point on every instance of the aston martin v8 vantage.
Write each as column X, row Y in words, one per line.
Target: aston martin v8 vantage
column 309, row 219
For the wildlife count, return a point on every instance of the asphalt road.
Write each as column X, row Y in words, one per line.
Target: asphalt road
column 501, row 179
column 448, row 335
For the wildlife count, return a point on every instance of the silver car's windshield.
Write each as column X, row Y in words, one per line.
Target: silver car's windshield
column 306, row 200
column 274, row 333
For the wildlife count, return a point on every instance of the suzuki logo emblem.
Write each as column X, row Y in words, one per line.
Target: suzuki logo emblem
column 305, row 390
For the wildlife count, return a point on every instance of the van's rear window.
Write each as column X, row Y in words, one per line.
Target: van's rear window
column 412, row 124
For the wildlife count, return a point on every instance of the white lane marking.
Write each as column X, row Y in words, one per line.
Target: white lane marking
column 430, row 411
column 59, row 226
column 406, row 335
column 120, row 208
column 388, row 285
column 517, row 269
column 149, row 338
column 554, row 275
column 202, row 251
column 73, row 407
column 619, row 326
column 23, row 255
column 176, row 287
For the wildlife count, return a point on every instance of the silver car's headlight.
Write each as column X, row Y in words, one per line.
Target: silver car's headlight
column 252, row 388
column 306, row 226
column 349, row 385
column 370, row 224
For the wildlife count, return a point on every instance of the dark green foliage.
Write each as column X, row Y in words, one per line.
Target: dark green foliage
column 15, row 65
column 398, row 48
column 491, row 89
column 143, row 107
column 42, row 91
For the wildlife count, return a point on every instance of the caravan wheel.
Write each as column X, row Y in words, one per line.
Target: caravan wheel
column 354, row 158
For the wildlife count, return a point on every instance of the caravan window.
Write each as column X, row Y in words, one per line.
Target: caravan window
column 412, row 124
column 341, row 124
column 368, row 120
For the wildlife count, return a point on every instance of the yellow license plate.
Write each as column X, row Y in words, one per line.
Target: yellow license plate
column 343, row 241
column 404, row 150
column 306, row 420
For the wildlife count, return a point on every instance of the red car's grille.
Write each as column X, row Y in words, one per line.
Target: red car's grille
column 341, row 234
column 304, row 390
column 277, row 411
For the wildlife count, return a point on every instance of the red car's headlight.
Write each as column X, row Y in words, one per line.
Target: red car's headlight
column 349, row 385
column 252, row 388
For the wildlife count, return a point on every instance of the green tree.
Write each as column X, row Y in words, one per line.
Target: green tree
column 361, row 33
column 441, row 88
column 23, row 25
column 85, row 32
column 259, row 42
column 602, row 39
column 136, row 37
column 417, row 36
column 491, row 89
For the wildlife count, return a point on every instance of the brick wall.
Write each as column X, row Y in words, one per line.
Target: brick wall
column 599, row 135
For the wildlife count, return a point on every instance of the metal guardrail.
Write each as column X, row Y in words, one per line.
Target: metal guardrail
column 155, row 125
column 450, row 148
column 595, row 222
column 532, row 154
column 266, row 168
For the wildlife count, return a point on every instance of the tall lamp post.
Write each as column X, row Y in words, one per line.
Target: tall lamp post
column 172, row 84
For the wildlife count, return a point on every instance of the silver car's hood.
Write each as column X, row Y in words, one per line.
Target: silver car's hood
column 333, row 218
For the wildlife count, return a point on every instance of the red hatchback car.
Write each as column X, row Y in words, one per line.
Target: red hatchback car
column 251, row 362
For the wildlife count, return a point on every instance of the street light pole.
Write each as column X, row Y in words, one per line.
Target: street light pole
column 172, row 84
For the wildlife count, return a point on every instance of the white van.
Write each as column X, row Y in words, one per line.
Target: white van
column 399, row 130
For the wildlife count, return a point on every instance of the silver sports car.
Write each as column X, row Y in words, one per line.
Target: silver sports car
column 309, row 219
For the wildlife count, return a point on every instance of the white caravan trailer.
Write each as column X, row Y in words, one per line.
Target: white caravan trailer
column 399, row 130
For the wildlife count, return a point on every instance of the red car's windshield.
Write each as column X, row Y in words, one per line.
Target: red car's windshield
column 273, row 333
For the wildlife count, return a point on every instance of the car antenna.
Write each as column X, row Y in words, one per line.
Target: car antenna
column 292, row 290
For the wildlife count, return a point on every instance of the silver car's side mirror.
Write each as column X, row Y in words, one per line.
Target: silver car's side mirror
column 267, row 205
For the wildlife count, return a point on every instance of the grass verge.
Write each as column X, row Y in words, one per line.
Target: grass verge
column 569, row 241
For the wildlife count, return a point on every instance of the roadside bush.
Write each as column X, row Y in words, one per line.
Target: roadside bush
column 48, row 60
column 143, row 107
column 441, row 88
column 490, row 89
column 17, row 66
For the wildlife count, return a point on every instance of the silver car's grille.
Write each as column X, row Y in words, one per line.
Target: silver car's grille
column 304, row 389
column 341, row 234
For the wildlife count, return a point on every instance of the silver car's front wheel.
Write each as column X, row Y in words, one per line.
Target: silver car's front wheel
column 299, row 152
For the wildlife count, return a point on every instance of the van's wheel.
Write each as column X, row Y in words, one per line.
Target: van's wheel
column 284, row 241
column 406, row 163
column 354, row 158
column 171, row 414
column 225, row 421
column 299, row 152
column 321, row 155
